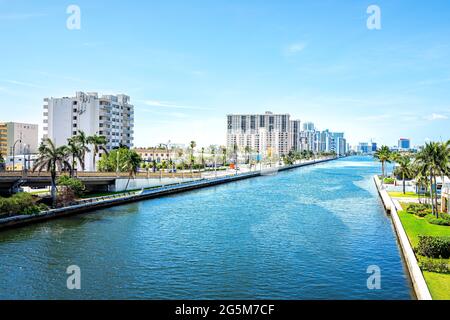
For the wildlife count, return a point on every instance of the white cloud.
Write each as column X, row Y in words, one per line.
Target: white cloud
column 294, row 48
column 165, row 104
column 436, row 116
column 23, row 84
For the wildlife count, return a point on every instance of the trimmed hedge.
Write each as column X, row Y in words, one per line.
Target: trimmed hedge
column 434, row 247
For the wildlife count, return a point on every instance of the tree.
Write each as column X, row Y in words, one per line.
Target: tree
column 131, row 164
column 192, row 145
column 83, row 142
column 121, row 160
column 224, row 155
column 51, row 159
column 383, row 155
column 404, row 169
column 434, row 160
column 247, row 151
column 99, row 143
column 74, row 149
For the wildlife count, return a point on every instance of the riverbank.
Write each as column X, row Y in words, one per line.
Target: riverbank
column 106, row 202
column 416, row 275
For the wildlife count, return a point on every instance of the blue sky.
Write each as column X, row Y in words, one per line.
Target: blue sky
column 187, row 63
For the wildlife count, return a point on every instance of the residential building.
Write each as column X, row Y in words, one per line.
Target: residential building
column 111, row 116
column 264, row 133
column 363, row 148
column 155, row 154
column 404, row 144
column 18, row 138
column 295, row 135
column 20, row 162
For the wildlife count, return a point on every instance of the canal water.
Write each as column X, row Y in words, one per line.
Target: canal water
column 310, row 233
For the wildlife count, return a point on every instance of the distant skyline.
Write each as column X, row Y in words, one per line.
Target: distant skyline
column 186, row 64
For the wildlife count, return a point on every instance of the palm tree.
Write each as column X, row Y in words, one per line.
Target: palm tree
column 192, row 145
column 82, row 139
column 383, row 155
column 224, row 155
column 51, row 159
column 131, row 163
column 434, row 158
column 247, row 151
column 99, row 143
column 421, row 177
column 404, row 168
column 74, row 149
column 203, row 158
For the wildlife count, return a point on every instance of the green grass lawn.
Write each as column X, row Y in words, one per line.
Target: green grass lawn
column 439, row 284
column 401, row 195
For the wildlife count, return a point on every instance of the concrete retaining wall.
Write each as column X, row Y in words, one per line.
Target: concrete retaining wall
column 418, row 281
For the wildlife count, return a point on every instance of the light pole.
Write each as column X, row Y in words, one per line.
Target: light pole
column 25, row 162
column 168, row 154
column 14, row 154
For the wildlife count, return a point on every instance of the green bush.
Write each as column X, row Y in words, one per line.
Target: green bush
column 76, row 185
column 443, row 220
column 434, row 247
column 430, row 265
column 419, row 209
column 389, row 180
column 21, row 203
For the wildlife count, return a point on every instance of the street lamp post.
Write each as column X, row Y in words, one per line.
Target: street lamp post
column 168, row 154
column 14, row 154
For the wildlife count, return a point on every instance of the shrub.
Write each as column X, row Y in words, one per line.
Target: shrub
column 441, row 221
column 389, row 180
column 419, row 209
column 76, row 185
column 21, row 203
column 434, row 247
column 439, row 266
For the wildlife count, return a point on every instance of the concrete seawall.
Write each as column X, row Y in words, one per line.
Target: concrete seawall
column 418, row 281
column 19, row 221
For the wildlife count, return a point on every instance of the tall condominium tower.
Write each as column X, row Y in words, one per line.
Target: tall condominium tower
column 111, row 116
column 265, row 133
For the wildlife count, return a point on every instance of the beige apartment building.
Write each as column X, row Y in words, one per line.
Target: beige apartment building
column 18, row 138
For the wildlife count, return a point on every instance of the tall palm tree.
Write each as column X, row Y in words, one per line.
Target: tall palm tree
column 52, row 159
column 131, row 163
column 192, row 145
column 82, row 139
column 74, row 149
column 247, row 151
column 434, row 158
column 404, row 168
column 421, row 177
column 224, row 155
column 99, row 143
column 203, row 157
column 384, row 156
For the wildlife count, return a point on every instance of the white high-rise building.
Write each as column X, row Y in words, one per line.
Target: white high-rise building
column 111, row 116
column 263, row 133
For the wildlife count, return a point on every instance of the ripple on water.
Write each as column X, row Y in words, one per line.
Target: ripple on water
column 309, row 233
